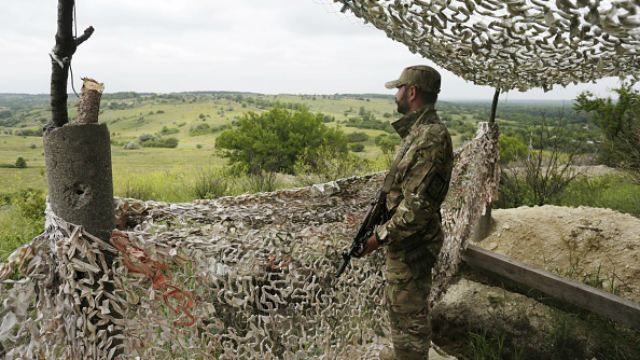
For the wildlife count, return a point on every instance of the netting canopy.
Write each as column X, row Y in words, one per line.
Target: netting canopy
column 515, row 44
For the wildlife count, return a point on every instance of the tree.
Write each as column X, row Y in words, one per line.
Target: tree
column 619, row 122
column 544, row 171
column 21, row 163
column 387, row 144
column 273, row 141
column 511, row 148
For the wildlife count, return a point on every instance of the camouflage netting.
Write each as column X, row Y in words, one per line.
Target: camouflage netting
column 515, row 44
column 251, row 276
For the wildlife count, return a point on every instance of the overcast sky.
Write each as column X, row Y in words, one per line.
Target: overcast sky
column 266, row 46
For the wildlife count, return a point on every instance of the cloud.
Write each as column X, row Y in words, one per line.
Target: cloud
column 274, row 46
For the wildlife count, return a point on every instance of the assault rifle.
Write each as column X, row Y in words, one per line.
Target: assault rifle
column 377, row 214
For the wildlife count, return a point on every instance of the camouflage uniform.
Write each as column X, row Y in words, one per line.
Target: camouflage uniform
column 413, row 234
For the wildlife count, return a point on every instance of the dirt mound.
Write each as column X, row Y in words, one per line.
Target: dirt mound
column 600, row 247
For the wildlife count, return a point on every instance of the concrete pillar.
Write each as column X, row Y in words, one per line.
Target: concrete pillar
column 78, row 161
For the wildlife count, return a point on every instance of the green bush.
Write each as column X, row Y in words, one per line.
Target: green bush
column 168, row 131
column 387, row 144
column 169, row 142
column 619, row 122
column 29, row 203
column 200, row 129
column 274, row 141
column 146, row 137
column 21, row 163
column 511, row 149
column 357, row 137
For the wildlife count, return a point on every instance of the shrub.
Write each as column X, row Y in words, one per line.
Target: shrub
column 168, row 131
column 132, row 145
column 357, row 147
column 29, row 203
column 28, row 132
column 357, row 137
column 210, row 184
column 275, row 140
column 262, row 182
column 21, row 163
column 387, row 144
column 146, row 137
column 541, row 175
column 328, row 167
column 619, row 123
column 170, row 142
column 200, row 129
column 328, row 119
column 511, row 149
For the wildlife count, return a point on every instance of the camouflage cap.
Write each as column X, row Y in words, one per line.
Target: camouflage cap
column 423, row 76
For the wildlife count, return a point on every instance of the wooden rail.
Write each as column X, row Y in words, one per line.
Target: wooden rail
column 585, row 297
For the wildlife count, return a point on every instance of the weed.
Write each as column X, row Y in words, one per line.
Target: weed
column 210, row 183
column 16, row 231
column 485, row 346
column 563, row 341
column 137, row 190
column 261, row 182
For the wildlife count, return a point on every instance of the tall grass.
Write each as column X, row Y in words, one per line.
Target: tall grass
column 614, row 191
column 21, row 219
column 170, row 186
column 618, row 192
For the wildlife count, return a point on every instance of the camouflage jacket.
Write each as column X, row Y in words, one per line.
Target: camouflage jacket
column 421, row 181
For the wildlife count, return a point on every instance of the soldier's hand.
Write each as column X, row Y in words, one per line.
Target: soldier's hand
column 371, row 244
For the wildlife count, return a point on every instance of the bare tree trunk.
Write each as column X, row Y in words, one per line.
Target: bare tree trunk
column 61, row 54
column 60, row 60
column 78, row 163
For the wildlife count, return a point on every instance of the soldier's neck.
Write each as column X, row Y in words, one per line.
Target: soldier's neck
column 404, row 124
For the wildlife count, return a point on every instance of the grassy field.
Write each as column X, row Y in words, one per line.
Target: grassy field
column 130, row 117
column 174, row 174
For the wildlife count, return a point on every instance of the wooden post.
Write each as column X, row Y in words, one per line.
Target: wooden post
column 494, row 106
column 568, row 291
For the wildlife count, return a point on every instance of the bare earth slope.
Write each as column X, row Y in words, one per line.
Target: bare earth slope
column 598, row 246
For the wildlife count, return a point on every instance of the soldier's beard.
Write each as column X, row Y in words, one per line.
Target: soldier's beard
column 403, row 104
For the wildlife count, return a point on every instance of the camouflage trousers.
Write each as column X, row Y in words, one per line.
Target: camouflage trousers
column 407, row 291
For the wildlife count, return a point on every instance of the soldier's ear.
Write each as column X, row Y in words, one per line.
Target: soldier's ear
column 413, row 92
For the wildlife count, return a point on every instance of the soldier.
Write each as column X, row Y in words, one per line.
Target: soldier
column 413, row 234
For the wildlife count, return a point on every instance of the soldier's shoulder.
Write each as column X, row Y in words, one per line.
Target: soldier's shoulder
column 436, row 128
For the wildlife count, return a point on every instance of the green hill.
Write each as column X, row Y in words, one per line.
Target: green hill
column 195, row 119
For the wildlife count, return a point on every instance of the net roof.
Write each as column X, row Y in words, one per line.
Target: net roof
column 515, row 44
